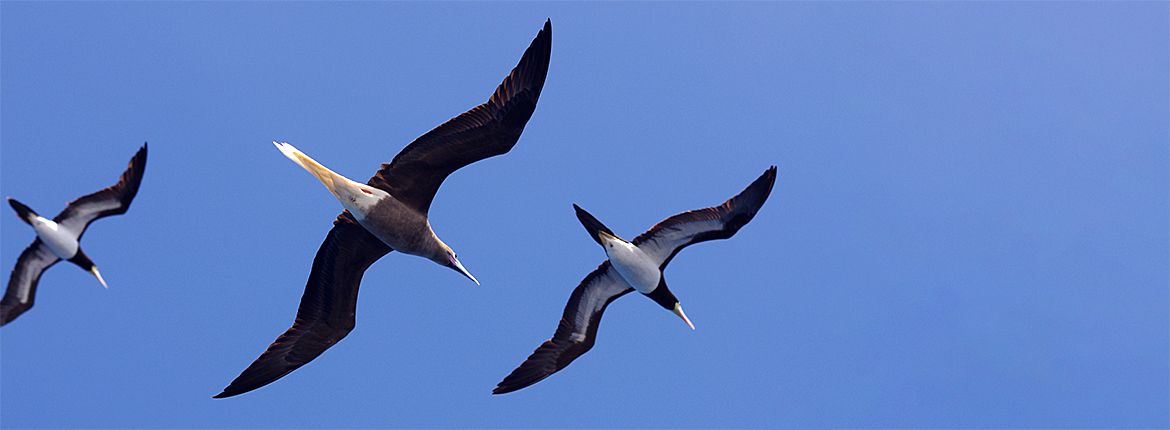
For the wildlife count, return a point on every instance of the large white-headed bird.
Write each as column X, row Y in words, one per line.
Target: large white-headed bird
column 60, row 238
column 636, row 265
column 389, row 212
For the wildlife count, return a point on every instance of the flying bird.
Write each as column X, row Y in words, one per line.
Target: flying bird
column 389, row 212
column 60, row 238
column 636, row 265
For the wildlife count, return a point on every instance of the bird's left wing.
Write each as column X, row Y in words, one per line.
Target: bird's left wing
column 326, row 313
column 486, row 130
column 22, row 284
column 576, row 332
column 670, row 236
column 112, row 200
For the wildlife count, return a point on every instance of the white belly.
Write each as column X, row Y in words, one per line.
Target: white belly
column 637, row 268
column 62, row 242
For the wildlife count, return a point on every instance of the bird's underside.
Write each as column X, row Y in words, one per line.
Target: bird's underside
column 326, row 312
column 64, row 233
column 577, row 331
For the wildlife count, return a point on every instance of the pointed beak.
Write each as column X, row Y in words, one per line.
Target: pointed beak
column 98, row 275
column 459, row 266
column 678, row 311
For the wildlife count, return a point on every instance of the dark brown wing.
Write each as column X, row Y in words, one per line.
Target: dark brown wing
column 326, row 313
column 485, row 131
column 663, row 241
column 22, row 284
column 112, row 200
column 576, row 332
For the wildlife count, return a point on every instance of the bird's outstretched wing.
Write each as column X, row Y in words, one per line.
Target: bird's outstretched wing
column 576, row 332
column 486, row 130
column 663, row 241
column 112, row 200
column 326, row 313
column 22, row 284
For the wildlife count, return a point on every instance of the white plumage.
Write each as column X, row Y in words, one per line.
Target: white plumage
column 634, row 266
column 62, row 242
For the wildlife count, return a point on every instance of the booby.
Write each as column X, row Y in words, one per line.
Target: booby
column 60, row 238
column 636, row 265
column 389, row 212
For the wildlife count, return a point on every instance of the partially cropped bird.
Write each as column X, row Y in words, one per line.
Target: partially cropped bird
column 389, row 212
column 60, row 238
column 633, row 265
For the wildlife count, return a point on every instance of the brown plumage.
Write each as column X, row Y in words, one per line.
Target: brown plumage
column 326, row 312
column 327, row 309
column 109, row 201
column 486, row 130
column 577, row 330
column 31, row 264
column 73, row 222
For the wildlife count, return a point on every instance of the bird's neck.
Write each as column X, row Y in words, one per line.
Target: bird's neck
column 82, row 260
column 432, row 247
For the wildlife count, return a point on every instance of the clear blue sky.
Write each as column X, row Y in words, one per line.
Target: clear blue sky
column 969, row 228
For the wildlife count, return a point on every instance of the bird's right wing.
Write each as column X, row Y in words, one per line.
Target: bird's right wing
column 576, row 332
column 326, row 313
column 22, row 285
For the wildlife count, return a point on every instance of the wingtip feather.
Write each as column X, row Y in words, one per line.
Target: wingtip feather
column 503, row 390
column 140, row 156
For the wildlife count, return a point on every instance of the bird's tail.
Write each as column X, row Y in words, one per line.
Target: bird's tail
column 333, row 181
column 592, row 225
column 26, row 213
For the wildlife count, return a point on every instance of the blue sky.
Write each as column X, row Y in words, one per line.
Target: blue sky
column 969, row 228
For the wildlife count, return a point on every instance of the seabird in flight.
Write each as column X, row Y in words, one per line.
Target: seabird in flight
column 60, row 238
column 630, row 266
column 390, row 213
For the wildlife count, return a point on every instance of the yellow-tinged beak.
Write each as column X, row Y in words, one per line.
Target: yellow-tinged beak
column 98, row 275
column 678, row 311
column 461, row 269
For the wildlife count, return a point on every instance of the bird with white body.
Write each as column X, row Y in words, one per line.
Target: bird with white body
column 60, row 238
column 636, row 265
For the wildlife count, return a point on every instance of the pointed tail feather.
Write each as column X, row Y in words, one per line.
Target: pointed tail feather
column 592, row 225
column 331, row 179
column 26, row 213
